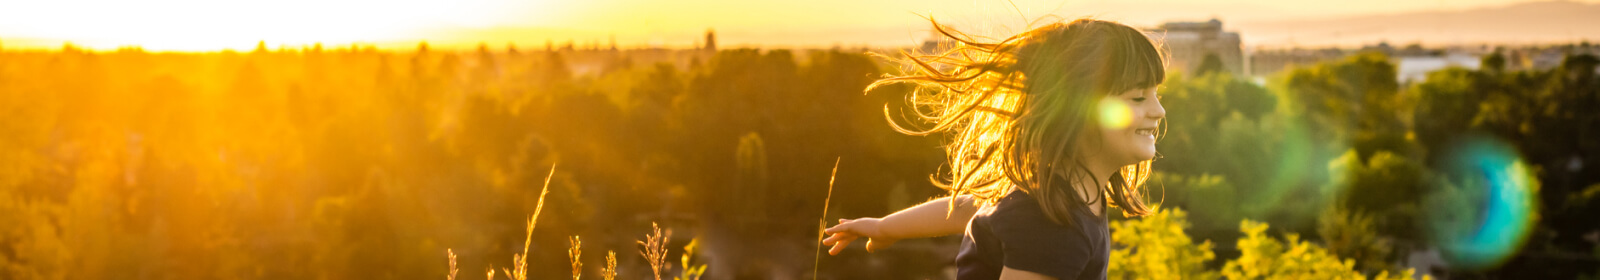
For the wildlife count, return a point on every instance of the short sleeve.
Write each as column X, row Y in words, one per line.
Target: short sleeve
column 1029, row 241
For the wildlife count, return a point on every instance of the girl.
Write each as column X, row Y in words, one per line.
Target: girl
column 1049, row 127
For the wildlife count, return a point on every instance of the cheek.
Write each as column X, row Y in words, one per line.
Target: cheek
column 1114, row 114
column 1117, row 138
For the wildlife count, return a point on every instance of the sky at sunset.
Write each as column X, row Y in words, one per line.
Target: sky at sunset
column 213, row 24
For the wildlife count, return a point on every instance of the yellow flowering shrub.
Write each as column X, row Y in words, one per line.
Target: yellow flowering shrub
column 1264, row 257
column 1155, row 247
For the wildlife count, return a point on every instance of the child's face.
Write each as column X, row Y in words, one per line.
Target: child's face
column 1128, row 124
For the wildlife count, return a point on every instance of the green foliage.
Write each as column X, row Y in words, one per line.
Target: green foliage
column 1588, row 197
column 1596, row 274
column 1545, row 113
column 1383, row 145
column 1203, row 101
column 1494, row 62
column 1155, row 247
column 1209, row 194
column 1352, row 235
column 1221, row 116
column 1448, row 104
column 355, row 164
column 1208, row 65
column 1386, row 184
column 1357, row 94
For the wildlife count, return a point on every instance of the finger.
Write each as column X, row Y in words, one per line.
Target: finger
column 841, row 227
column 840, row 245
column 835, row 238
column 844, row 240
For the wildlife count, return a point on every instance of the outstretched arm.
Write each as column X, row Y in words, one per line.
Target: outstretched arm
column 924, row 220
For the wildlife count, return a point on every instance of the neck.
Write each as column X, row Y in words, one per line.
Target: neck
column 1091, row 186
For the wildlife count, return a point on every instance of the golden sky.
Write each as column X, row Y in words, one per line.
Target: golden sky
column 222, row 24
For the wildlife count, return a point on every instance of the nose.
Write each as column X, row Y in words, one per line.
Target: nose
column 1156, row 112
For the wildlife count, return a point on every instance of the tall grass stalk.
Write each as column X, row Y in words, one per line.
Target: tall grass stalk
column 520, row 261
column 655, row 250
column 610, row 271
column 575, row 253
column 822, row 223
column 453, row 269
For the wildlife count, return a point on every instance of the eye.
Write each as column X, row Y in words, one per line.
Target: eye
column 1145, row 95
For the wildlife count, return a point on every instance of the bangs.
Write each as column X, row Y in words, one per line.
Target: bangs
column 1136, row 62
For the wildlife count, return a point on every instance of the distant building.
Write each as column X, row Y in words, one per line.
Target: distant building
column 711, row 40
column 1188, row 43
column 1413, row 69
column 1269, row 62
column 1545, row 59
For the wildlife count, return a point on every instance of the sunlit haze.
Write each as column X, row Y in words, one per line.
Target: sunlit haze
column 799, row 139
column 213, row 25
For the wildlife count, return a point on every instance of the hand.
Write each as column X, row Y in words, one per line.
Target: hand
column 848, row 230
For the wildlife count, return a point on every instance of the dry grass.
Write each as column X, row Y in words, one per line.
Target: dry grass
column 574, row 254
column 453, row 269
column 655, row 250
column 519, row 270
column 822, row 223
column 610, row 272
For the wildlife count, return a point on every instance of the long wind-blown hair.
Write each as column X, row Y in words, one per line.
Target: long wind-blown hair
column 1016, row 109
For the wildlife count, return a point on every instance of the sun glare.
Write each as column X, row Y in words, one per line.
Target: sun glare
column 199, row 25
column 1114, row 113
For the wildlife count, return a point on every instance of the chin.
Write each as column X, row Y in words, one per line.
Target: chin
column 1143, row 156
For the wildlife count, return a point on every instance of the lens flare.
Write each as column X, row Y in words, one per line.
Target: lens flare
column 1290, row 151
column 1114, row 114
column 1485, row 207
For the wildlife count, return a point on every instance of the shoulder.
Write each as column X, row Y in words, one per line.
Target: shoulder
column 1031, row 242
column 1018, row 218
column 1019, row 208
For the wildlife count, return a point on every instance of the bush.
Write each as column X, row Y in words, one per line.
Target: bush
column 1155, row 247
column 1263, row 257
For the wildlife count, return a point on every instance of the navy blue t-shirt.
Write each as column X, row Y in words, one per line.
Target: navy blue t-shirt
column 1016, row 233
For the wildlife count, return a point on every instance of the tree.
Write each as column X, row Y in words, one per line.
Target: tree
column 1386, row 184
column 1210, row 64
column 1357, row 94
column 1494, row 62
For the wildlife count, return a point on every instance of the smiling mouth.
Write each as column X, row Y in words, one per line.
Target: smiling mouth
column 1145, row 132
